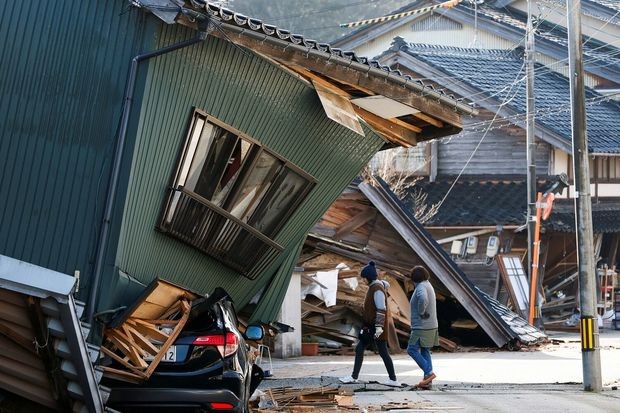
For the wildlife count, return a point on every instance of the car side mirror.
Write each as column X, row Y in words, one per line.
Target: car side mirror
column 254, row 332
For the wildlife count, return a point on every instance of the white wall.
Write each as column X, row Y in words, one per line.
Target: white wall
column 289, row 344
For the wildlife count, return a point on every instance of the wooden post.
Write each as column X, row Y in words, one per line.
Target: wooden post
column 535, row 259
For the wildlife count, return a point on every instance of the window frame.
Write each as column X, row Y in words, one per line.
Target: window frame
column 275, row 177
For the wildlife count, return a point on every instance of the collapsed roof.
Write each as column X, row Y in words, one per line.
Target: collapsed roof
column 477, row 201
column 501, row 324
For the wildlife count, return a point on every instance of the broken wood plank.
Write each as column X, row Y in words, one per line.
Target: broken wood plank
column 448, row 345
column 354, row 223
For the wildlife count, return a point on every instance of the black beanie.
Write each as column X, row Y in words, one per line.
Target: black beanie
column 370, row 271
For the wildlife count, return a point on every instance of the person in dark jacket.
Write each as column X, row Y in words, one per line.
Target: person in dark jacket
column 375, row 326
column 424, row 328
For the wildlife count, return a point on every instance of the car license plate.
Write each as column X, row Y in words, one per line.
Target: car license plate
column 171, row 354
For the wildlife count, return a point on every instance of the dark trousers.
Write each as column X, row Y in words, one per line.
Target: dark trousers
column 383, row 352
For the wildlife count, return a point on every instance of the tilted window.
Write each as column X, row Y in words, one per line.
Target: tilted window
column 230, row 196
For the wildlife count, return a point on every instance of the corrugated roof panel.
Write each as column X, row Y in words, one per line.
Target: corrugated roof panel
column 29, row 357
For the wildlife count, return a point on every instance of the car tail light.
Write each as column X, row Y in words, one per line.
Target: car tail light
column 221, row 406
column 227, row 344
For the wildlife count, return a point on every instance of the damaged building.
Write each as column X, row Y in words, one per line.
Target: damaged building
column 180, row 140
column 369, row 222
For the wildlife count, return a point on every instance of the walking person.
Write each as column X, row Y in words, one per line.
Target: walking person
column 424, row 327
column 375, row 327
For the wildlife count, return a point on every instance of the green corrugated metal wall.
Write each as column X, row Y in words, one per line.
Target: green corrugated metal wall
column 255, row 97
column 63, row 66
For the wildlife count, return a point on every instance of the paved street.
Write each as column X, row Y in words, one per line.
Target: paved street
column 543, row 380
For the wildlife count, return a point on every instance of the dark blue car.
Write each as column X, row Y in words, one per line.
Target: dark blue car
column 206, row 370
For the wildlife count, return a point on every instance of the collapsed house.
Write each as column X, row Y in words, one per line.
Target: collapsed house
column 188, row 142
column 369, row 222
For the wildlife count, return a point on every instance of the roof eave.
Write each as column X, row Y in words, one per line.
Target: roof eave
column 464, row 89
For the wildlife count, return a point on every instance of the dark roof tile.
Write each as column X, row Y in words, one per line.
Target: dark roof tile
column 490, row 71
column 488, row 201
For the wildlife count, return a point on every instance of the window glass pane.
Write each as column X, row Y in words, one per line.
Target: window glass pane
column 231, row 171
column 255, row 186
column 206, row 137
column 197, row 126
column 216, row 163
column 279, row 203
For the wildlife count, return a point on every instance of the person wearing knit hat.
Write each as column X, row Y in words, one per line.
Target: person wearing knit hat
column 375, row 326
column 369, row 271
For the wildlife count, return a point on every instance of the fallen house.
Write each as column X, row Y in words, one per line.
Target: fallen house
column 187, row 142
column 490, row 212
column 370, row 222
column 196, row 144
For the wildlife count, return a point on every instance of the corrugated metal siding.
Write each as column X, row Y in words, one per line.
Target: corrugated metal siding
column 253, row 96
column 269, row 306
column 63, row 67
column 503, row 151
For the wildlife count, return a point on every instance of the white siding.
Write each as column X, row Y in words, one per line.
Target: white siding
column 554, row 11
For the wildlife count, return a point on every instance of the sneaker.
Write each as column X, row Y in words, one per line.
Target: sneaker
column 427, row 380
column 392, row 383
column 348, row 380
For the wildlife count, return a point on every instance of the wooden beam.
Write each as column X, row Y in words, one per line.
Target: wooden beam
column 406, row 125
column 402, row 135
column 465, row 235
column 14, row 336
column 354, row 223
column 429, row 119
column 320, row 80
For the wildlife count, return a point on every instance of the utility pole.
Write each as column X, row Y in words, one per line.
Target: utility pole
column 531, row 151
column 590, row 351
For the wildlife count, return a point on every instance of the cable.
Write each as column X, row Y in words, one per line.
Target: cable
column 505, row 102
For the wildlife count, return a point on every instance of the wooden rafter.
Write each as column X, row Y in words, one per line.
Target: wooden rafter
column 429, row 119
column 137, row 343
column 354, row 223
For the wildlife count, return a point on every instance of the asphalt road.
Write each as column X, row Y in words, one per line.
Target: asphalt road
column 543, row 379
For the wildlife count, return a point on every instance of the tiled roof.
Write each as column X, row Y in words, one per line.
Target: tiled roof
column 494, row 71
column 594, row 51
column 600, row 58
column 254, row 27
column 605, row 217
column 613, row 7
column 480, row 201
column 473, row 202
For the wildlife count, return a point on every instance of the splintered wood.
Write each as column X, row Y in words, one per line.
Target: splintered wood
column 309, row 400
column 138, row 340
column 340, row 323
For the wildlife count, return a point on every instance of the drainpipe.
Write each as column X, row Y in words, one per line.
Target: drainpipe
column 118, row 156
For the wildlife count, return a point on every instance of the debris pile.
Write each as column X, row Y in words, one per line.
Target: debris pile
column 137, row 340
column 303, row 400
column 335, row 325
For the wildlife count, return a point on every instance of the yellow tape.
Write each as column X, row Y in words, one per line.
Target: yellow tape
column 587, row 334
column 446, row 4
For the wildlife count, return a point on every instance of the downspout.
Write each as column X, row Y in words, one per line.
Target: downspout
column 118, row 156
